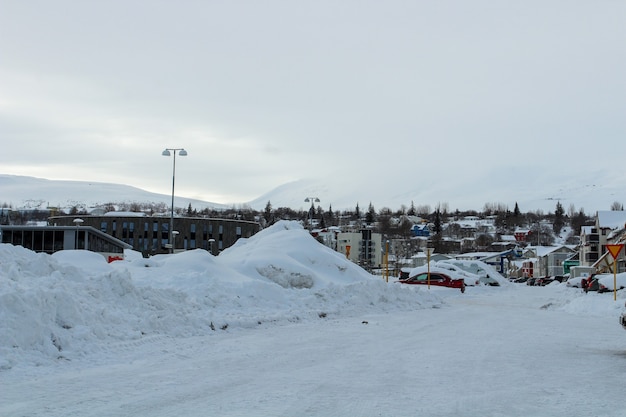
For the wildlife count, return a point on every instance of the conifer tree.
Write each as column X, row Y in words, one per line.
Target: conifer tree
column 559, row 219
column 370, row 215
column 267, row 214
column 411, row 211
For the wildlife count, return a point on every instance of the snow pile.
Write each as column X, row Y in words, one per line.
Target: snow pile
column 74, row 304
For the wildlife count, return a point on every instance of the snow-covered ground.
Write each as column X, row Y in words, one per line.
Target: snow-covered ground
column 279, row 325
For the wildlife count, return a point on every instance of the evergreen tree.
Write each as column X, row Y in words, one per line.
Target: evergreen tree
column 559, row 218
column 411, row 211
column 436, row 238
column 331, row 216
column 577, row 221
column 437, row 222
column 370, row 215
column 267, row 214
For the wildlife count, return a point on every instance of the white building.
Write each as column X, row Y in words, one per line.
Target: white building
column 364, row 248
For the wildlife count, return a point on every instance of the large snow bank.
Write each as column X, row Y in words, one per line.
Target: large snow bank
column 73, row 303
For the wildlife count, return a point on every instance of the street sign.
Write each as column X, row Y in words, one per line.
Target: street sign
column 615, row 249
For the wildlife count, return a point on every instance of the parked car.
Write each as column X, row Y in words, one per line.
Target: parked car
column 543, row 281
column 436, row 278
column 456, row 272
column 487, row 274
column 605, row 281
column 468, row 278
column 575, row 281
column 581, row 281
column 404, row 273
column 622, row 319
column 591, row 283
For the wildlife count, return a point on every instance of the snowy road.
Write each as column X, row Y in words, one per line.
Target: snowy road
column 500, row 352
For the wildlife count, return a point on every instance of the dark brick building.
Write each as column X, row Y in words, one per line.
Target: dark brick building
column 150, row 234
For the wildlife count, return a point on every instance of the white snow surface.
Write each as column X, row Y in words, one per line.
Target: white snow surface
column 280, row 325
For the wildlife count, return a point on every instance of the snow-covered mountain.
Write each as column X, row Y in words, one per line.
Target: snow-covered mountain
column 38, row 193
column 597, row 191
column 532, row 191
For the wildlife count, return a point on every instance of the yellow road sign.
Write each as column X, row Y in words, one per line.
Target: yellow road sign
column 615, row 249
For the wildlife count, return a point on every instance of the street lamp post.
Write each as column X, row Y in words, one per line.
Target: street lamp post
column 313, row 200
column 166, row 152
column 387, row 261
column 77, row 222
column 174, row 234
column 211, row 242
column 429, row 252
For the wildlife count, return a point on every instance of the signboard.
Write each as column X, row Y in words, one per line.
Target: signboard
column 615, row 249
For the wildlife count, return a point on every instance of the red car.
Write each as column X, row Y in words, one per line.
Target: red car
column 436, row 278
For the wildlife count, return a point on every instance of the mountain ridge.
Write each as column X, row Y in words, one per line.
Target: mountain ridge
column 32, row 192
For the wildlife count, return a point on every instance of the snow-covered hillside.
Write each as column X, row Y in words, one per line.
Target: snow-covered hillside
column 39, row 193
column 338, row 193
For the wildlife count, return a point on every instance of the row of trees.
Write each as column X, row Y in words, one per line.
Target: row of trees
column 506, row 220
column 392, row 223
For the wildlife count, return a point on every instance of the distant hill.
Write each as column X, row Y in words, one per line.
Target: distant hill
column 38, row 193
column 532, row 191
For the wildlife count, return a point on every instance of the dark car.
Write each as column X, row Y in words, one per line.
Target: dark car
column 543, row 281
column 436, row 278
column 622, row 319
column 590, row 283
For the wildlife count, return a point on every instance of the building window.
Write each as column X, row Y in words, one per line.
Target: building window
column 192, row 237
column 165, row 233
column 59, row 237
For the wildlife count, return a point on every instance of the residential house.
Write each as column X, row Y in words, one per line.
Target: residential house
column 549, row 260
column 593, row 239
column 363, row 248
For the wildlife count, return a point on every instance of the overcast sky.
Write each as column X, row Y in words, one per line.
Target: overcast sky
column 385, row 96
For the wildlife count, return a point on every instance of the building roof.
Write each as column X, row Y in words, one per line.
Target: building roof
column 613, row 219
column 89, row 229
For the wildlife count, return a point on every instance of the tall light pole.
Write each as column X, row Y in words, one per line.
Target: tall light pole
column 313, row 200
column 166, row 152
column 77, row 222
column 429, row 252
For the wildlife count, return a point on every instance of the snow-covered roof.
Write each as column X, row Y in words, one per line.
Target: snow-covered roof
column 611, row 219
column 542, row 251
